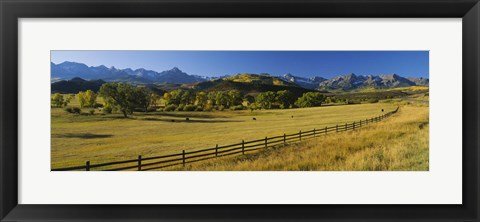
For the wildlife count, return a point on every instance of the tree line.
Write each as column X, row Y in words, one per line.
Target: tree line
column 126, row 98
column 185, row 100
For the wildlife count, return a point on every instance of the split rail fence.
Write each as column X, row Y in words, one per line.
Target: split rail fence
column 183, row 158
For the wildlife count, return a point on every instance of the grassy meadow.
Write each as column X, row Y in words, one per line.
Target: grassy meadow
column 399, row 143
column 101, row 138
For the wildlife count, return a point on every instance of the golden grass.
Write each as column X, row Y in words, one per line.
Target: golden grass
column 105, row 138
column 399, row 143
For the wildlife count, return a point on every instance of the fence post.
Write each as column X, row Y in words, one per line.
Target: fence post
column 300, row 135
column 325, row 130
column 266, row 142
column 139, row 162
column 360, row 123
column 243, row 147
column 314, row 132
column 353, row 125
column 284, row 139
column 183, row 158
column 336, row 128
column 87, row 166
column 346, row 126
column 216, row 150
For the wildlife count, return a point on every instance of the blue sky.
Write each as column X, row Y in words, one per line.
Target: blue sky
column 301, row 63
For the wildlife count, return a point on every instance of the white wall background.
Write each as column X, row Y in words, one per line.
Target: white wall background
column 441, row 185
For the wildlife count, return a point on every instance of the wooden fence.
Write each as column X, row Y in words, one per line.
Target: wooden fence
column 183, row 158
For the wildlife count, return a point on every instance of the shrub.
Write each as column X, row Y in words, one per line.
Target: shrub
column 353, row 101
column 58, row 100
column 107, row 109
column 152, row 109
column 252, row 107
column 180, row 107
column 76, row 110
column 274, row 106
column 92, row 111
column 372, row 100
column 238, row 107
column 171, row 107
column 69, row 110
column 221, row 107
column 199, row 108
column 189, row 108
column 207, row 108
column 138, row 109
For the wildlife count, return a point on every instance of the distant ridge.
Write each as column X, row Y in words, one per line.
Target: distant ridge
column 76, row 85
column 250, row 84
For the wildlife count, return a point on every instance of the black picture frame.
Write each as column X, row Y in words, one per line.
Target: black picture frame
column 11, row 11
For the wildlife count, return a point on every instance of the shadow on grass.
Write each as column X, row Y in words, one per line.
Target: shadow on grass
column 117, row 117
column 82, row 135
column 190, row 120
column 190, row 115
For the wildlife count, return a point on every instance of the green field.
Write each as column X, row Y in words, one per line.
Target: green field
column 104, row 138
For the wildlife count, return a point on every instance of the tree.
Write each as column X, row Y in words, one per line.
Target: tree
column 68, row 99
column 122, row 95
column 187, row 97
column 211, row 96
column 176, row 97
column 57, row 100
column 265, row 99
column 285, row 98
column 235, row 98
column 222, row 98
column 330, row 99
column 87, row 98
column 155, row 100
column 310, row 99
column 249, row 99
column 166, row 97
column 142, row 98
column 201, row 99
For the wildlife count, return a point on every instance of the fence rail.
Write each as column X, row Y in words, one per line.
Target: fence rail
column 183, row 158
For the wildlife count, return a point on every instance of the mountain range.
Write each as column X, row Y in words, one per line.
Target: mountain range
column 69, row 70
column 61, row 73
column 309, row 83
column 352, row 81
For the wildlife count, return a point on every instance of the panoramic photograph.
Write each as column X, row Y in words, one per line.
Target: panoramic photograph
column 239, row 110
